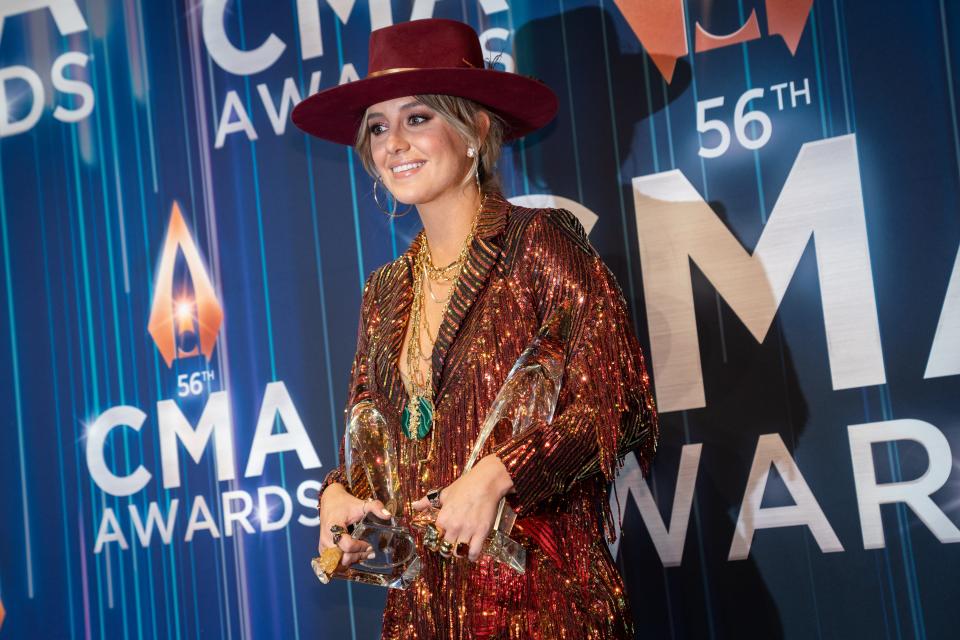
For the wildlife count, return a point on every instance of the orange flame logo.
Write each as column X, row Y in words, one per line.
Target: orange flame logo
column 3, row 614
column 170, row 315
column 660, row 26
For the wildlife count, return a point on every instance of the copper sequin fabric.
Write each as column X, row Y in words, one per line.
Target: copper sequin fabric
column 522, row 264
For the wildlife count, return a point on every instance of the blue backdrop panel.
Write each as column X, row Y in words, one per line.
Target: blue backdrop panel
column 773, row 182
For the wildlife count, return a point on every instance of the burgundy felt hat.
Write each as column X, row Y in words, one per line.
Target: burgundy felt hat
column 431, row 56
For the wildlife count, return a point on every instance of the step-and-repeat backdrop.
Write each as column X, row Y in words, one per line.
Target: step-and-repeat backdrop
column 774, row 183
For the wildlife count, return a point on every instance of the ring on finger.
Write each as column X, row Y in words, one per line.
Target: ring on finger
column 337, row 531
column 461, row 550
column 432, row 537
column 433, row 497
column 445, row 548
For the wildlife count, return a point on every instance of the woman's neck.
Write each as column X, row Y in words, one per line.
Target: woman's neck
column 447, row 222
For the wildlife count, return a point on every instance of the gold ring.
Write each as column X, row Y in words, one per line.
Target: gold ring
column 432, row 536
column 445, row 548
column 433, row 497
column 337, row 532
column 432, row 530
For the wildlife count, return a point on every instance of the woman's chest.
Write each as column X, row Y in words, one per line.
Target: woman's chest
column 469, row 350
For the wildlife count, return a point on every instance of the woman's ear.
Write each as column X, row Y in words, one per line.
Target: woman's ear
column 483, row 126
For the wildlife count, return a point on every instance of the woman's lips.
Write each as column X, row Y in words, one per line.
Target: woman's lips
column 406, row 169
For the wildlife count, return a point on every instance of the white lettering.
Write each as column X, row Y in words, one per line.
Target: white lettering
column 914, row 493
column 66, row 13
column 422, row 9
column 806, row 511
column 779, row 89
column 214, row 421
column 308, row 20
column 76, row 87
column 230, row 516
column 944, row 359
column 227, row 56
column 232, row 105
column 668, row 542
column 493, row 6
column 585, row 216
column 805, row 92
column 498, row 55
column 200, row 509
column 121, row 416
column 309, row 501
column 348, row 74
column 264, row 511
column 109, row 532
column 821, row 199
column 35, row 95
column 277, row 403
column 289, row 97
column 145, row 533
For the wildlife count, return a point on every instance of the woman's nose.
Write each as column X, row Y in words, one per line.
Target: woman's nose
column 395, row 141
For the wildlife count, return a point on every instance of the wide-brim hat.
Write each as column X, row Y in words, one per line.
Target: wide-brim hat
column 431, row 56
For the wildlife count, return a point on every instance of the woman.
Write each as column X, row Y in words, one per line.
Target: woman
column 442, row 325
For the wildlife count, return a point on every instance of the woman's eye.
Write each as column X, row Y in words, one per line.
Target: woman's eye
column 417, row 118
column 377, row 129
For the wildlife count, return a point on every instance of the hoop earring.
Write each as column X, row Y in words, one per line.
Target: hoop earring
column 392, row 212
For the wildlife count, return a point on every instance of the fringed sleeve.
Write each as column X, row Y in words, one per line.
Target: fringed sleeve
column 358, row 391
column 605, row 408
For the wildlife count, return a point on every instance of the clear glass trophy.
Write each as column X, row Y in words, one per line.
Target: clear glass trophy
column 527, row 397
column 396, row 564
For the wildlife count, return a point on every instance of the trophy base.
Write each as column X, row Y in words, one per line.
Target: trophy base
column 395, row 564
column 400, row 578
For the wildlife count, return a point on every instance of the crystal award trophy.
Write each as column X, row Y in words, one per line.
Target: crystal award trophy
column 527, row 397
column 367, row 445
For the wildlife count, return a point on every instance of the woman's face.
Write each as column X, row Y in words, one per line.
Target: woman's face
column 420, row 157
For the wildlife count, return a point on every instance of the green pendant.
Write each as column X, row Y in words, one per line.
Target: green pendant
column 417, row 418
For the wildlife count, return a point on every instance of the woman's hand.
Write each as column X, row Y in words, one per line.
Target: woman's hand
column 337, row 506
column 468, row 506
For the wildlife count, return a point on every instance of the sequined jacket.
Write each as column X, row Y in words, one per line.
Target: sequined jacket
column 522, row 264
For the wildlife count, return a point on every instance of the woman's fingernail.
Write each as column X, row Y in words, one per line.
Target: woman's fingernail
column 371, row 555
column 385, row 512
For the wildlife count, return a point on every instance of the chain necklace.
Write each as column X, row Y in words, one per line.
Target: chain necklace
column 417, row 418
column 433, row 296
column 446, row 274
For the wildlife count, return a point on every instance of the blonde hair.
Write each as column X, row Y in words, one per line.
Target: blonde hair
column 461, row 114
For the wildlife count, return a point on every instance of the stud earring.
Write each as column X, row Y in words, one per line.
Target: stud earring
column 471, row 152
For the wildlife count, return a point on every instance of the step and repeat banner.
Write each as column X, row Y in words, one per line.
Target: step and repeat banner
column 774, row 183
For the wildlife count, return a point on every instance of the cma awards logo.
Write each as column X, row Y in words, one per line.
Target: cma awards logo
column 820, row 203
column 661, row 27
column 184, row 325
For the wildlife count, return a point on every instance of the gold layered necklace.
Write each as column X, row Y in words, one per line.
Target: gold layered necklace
column 417, row 418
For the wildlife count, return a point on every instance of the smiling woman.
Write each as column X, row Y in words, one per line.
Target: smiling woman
column 404, row 138
column 442, row 325
column 467, row 119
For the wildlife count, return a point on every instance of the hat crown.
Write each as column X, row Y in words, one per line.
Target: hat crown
column 432, row 43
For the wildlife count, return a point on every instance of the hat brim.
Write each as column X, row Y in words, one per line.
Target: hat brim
column 334, row 114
